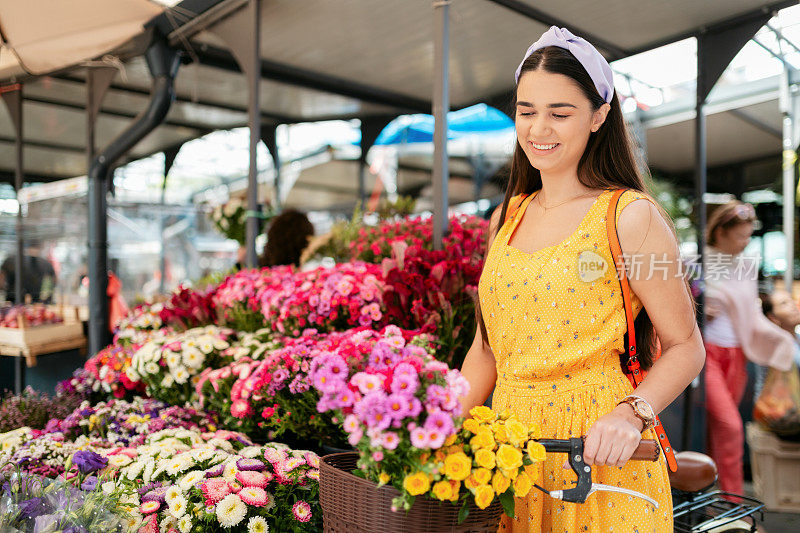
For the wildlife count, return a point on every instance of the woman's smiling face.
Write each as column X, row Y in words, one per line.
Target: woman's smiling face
column 554, row 120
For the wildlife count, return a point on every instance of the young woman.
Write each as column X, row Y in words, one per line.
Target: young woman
column 550, row 337
column 736, row 330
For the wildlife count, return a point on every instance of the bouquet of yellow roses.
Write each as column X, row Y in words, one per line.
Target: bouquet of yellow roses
column 492, row 456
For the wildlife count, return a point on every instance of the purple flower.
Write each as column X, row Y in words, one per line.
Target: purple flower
column 345, row 398
column 88, row 461
column 215, row 471
column 372, row 410
column 441, row 422
column 405, row 383
column 398, row 406
column 326, row 381
column 390, row 440
column 415, row 407
column 89, row 484
column 157, row 495
column 32, row 508
column 246, row 464
column 436, row 438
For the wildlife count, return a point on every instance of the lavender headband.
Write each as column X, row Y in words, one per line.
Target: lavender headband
column 594, row 63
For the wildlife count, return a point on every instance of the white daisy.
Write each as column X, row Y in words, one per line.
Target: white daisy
column 168, row 381
column 185, row 524
column 192, row 359
column 177, row 507
column 151, row 368
column 188, row 481
column 173, row 493
column 180, row 374
column 230, row 472
column 119, row 460
column 231, row 510
column 173, row 359
column 257, row 524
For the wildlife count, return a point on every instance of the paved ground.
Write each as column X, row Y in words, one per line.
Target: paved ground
column 775, row 522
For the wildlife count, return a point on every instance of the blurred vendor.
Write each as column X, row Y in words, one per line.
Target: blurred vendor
column 38, row 276
column 287, row 237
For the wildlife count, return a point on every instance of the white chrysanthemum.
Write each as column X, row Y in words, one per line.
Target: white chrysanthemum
column 151, row 368
column 177, row 507
column 257, row 524
column 185, row 524
column 148, row 472
column 231, row 510
column 188, row 481
column 167, row 523
column 173, row 492
column 180, row 374
column 173, row 359
column 192, row 359
column 108, row 487
column 168, row 381
column 206, row 344
column 119, row 460
column 202, row 454
column 132, row 374
column 230, row 472
column 251, row 452
column 222, row 444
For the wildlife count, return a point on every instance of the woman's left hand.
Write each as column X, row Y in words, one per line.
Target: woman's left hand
column 613, row 438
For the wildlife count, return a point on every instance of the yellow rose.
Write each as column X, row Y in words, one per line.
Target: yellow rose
column 511, row 474
column 522, row 485
column 505, row 415
column 449, row 441
column 457, row 466
column 471, row 482
column 484, row 496
column 534, row 431
column 532, row 471
column 439, row 455
column 516, row 431
column 536, row 451
column 417, row 484
column 442, row 490
column 455, row 488
column 484, row 438
column 383, row 478
column 485, row 458
column 500, row 483
column 508, row 457
column 482, row 476
column 482, row 413
column 471, row 425
column 500, row 434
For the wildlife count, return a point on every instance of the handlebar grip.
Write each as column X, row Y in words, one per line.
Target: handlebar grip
column 648, row 450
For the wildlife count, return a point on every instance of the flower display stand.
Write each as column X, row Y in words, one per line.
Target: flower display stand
column 351, row 504
column 776, row 469
column 31, row 341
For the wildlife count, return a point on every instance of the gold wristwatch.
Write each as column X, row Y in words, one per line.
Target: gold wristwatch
column 641, row 410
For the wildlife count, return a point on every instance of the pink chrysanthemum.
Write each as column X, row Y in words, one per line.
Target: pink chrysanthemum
column 215, row 489
column 150, row 507
column 151, row 526
column 251, row 479
column 254, row 496
column 302, row 511
column 312, row 459
column 235, row 486
column 274, row 456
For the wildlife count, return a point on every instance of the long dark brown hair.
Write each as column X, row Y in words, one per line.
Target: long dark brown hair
column 607, row 162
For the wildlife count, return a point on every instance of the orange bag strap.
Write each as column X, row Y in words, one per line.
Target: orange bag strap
column 514, row 205
column 634, row 369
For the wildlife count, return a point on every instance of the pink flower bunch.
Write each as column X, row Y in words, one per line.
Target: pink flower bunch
column 344, row 296
column 274, row 395
column 107, row 370
column 187, row 308
column 403, row 397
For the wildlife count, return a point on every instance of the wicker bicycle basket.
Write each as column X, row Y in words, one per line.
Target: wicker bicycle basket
column 351, row 504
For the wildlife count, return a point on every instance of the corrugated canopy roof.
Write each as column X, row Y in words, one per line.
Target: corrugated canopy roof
column 343, row 59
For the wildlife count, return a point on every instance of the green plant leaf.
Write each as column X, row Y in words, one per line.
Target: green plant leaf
column 507, row 501
column 463, row 512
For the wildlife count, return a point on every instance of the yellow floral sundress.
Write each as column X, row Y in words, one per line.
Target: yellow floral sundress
column 555, row 323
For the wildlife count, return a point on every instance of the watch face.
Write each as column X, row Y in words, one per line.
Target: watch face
column 644, row 410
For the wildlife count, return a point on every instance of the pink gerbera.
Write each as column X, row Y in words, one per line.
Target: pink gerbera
column 241, row 409
column 151, row 526
column 150, row 507
column 302, row 511
column 215, row 489
column 254, row 496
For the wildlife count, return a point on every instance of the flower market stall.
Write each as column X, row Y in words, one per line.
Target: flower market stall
column 210, row 409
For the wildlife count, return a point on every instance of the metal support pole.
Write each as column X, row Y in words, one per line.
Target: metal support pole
column 163, row 63
column 254, row 112
column 441, row 105
column 789, row 159
column 169, row 159
column 12, row 96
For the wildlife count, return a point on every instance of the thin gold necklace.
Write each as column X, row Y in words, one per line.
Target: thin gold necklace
column 539, row 201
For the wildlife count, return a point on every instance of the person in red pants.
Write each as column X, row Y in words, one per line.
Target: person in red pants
column 736, row 330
